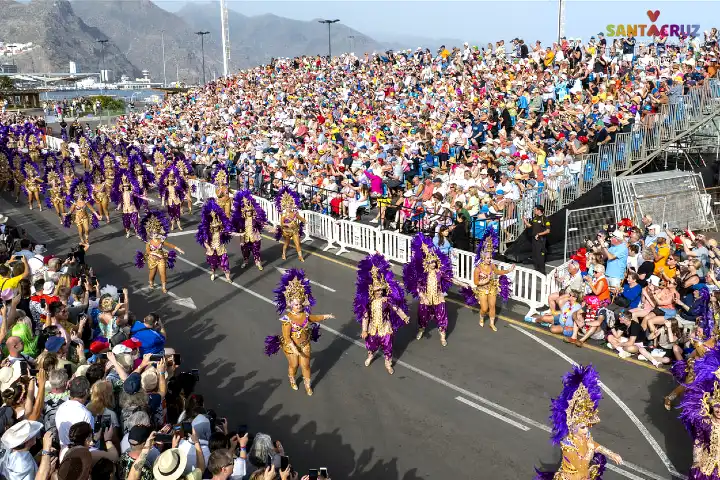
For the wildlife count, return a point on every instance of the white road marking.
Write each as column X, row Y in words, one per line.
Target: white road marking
column 492, row 413
column 636, row 421
column 283, row 270
column 177, row 299
column 466, row 393
column 184, row 232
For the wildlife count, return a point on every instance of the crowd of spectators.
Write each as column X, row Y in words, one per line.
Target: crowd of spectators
column 640, row 290
column 90, row 390
column 412, row 138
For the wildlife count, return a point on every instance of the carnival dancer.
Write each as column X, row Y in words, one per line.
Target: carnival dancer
column 18, row 175
column 84, row 153
column 129, row 198
column 51, row 162
column 173, row 190
column 32, row 181
column 573, row 413
column 287, row 203
column 6, row 174
column 101, row 193
column 488, row 279
column 248, row 221
column 78, row 202
column 55, row 193
column 144, row 177
column 428, row 276
column 160, row 162
column 700, row 413
column 379, row 306
column 184, row 167
column 294, row 301
column 214, row 233
column 153, row 231
column 684, row 370
column 219, row 178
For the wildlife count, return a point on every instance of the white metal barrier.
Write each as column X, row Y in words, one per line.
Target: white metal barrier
column 320, row 226
column 396, row 246
column 53, row 143
column 357, row 236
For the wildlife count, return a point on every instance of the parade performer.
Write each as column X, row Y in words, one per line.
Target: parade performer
column 488, row 279
column 173, row 190
column 67, row 173
column 184, row 167
column 684, row 370
column 101, row 194
column 219, row 178
column 144, row 177
column 18, row 176
column 214, row 233
column 6, row 174
column 78, row 203
column 129, row 197
column 84, row 153
column 287, row 203
column 55, row 193
column 428, row 276
column 700, row 413
column 153, row 231
column 573, row 413
column 32, row 181
column 65, row 151
column 379, row 306
column 248, row 221
column 51, row 162
column 294, row 300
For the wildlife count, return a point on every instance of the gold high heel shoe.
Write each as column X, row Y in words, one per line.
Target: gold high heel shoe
column 421, row 332
column 388, row 366
column 443, row 341
column 293, row 384
column 308, row 388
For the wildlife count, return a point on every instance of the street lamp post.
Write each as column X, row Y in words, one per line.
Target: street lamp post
column 102, row 57
column 351, row 41
column 202, row 46
column 329, row 22
column 162, row 38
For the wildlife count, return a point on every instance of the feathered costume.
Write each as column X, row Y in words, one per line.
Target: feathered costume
column 294, row 301
column 381, row 314
column 127, row 194
column 701, row 416
column 31, row 172
column 145, row 178
column 153, row 230
column 173, row 191
column 214, row 233
column 79, row 201
column 498, row 283
column 248, row 220
column 428, row 276
column 6, row 174
column 220, row 179
column 287, row 202
column 574, row 409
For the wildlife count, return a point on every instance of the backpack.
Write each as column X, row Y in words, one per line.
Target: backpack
column 49, row 411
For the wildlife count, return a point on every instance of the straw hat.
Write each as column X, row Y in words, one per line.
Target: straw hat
column 20, row 433
column 170, row 465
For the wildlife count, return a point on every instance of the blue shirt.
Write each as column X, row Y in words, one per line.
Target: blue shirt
column 616, row 268
column 634, row 294
column 150, row 340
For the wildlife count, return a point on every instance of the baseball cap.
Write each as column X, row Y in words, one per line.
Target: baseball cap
column 54, row 344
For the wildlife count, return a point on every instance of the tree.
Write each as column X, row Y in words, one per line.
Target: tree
column 6, row 83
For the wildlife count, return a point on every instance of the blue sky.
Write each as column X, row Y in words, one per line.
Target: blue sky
column 482, row 21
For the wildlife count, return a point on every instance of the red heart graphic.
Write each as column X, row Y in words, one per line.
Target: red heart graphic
column 653, row 15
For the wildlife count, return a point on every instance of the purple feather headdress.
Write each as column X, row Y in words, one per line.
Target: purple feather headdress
column 137, row 161
column 279, row 198
column 216, row 171
column 364, row 285
column 180, row 183
column 25, row 162
column 414, row 275
column 242, row 198
column 203, row 234
column 107, row 160
column 299, row 284
column 50, row 162
column 580, row 375
column 700, row 395
column 488, row 244
column 150, row 215
column 702, row 312
column 116, row 192
column 180, row 157
column 85, row 181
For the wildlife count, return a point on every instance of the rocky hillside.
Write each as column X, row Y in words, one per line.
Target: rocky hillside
column 60, row 36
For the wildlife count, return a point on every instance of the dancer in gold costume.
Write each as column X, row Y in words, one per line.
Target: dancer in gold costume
column 32, row 181
column 55, row 194
column 287, row 203
column 101, row 194
column 78, row 203
column 214, row 233
column 220, row 179
column 153, row 231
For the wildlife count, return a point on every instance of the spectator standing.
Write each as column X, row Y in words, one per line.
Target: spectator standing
column 73, row 410
column 538, row 228
column 616, row 256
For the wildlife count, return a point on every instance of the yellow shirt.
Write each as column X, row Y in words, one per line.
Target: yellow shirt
column 663, row 252
column 670, row 272
column 9, row 283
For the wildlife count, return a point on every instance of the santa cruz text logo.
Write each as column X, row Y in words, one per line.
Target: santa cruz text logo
column 644, row 30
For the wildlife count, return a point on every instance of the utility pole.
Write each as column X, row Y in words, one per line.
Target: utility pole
column 202, row 46
column 225, row 36
column 561, row 20
column 102, row 56
column 328, row 23
column 351, row 41
column 162, row 33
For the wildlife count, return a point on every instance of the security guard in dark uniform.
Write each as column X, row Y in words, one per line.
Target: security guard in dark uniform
column 538, row 228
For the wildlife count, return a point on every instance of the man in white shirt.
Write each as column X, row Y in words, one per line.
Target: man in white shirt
column 73, row 410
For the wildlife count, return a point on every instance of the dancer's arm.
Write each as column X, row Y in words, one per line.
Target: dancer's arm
column 608, row 453
column 503, row 272
column 170, row 245
column 93, row 211
column 320, row 318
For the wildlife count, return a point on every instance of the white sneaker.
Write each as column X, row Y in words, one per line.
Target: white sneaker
column 609, row 345
column 624, row 354
column 642, row 358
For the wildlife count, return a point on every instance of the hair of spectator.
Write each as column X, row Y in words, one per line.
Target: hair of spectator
column 103, row 470
column 54, row 308
column 136, row 418
column 94, row 374
column 58, row 378
column 218, row 440
column 79, row 387
column 262, row 447
column 219, row 459
column 79, row 433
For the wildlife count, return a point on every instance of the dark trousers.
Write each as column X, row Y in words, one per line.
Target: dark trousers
column 538, row 254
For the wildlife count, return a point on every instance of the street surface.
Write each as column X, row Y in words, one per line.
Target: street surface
column 476, row 409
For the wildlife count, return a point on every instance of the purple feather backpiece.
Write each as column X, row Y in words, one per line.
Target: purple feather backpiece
column 171, row 257
column 287, row 277
column 203, row 234
column 116, row 192
column 278, row 205
column 180, row 183
column 679, row 370
column 489, row 232
column 414, row 275
column 692, row 402
column 315, row 332
column 219, row 168
column 142, row 232
column 94, row 222
column 238, row 221
column 469, row 297
column 87, row 181
column 67, row 220
column 585, row 375
column 139, row 259
column 395, row 293
column 272, row 345
column 505, row 288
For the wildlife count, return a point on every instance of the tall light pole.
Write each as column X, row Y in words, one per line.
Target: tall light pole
column 102, row 56
column 162, row 38
column 329, row 22
column 561, row 20
column 225, row 32
column 351, row 41
column 202, row 46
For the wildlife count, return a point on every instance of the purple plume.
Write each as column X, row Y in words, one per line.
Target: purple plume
column 171, row 257
column 469, row 297
column 180, row 183
column 139, row 259
column 87, row 181
column 579, row 375
column 238, row 221
column 363, row 297
column 48, row 203
column 272, row 345
column 505, row 287
column 67, row 220
column 414, row 275
column 219, row 168
column 94, row 223
column 679, row 370
column 490, row 232
column 315, row 332
column 116, row 191
column 292, row 274
column 203, row 234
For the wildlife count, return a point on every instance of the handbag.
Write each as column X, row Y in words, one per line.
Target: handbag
column 621, row 301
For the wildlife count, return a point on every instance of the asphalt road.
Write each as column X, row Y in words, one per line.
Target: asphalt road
column 475, row 409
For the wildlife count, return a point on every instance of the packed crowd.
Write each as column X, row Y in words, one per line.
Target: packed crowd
column 641, row 290
column 414, row 137
column 90, row 390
